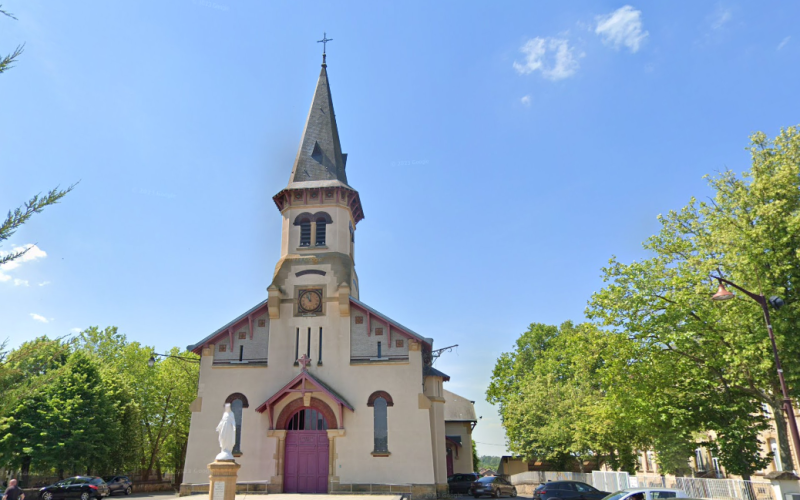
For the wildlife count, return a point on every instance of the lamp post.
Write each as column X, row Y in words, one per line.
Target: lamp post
column 152, row 361
column 776, row 302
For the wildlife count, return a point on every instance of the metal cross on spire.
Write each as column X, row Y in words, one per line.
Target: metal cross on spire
column 324, row 43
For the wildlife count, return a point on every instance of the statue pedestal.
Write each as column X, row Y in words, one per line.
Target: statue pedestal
column 222, row 480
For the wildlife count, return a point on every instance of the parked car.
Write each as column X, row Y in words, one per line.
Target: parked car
column 460, row 483
column 646, row 494
column 119, row 484
column 82, row 487
column 492, row 485
column 568, row 490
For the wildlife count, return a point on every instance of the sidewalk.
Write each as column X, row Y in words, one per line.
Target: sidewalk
column 166, row 495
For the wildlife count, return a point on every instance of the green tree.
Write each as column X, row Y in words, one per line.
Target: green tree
column 476, row 462
column 162, row 396
column 719, row 353
column 559, row 394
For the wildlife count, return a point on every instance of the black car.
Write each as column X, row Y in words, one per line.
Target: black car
column 119, row 484
column 82, row 487
column 567, row 490
column 460, row 483
column 495, row 486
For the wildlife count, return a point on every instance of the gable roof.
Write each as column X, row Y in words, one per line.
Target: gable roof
column 458, row 408
column 304, row 375
column 408, row 332
column 198, row 347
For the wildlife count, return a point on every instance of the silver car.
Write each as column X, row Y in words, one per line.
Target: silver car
column 646, row 494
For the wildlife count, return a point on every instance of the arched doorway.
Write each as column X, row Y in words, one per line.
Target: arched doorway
column 305, row 462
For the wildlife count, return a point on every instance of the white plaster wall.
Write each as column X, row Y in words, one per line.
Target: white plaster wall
column 411, row 459
column 462, row 463
column 411, row 454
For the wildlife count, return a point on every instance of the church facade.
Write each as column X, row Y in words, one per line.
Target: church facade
column 329, row 394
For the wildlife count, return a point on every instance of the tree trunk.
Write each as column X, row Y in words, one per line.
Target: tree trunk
column 783, row 439
column 26, row 470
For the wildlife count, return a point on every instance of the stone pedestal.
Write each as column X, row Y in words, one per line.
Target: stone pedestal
column 222, row 480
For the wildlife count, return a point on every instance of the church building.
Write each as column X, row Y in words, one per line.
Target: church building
column 329, row 394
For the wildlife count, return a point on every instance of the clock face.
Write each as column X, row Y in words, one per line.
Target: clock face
column 310, row 301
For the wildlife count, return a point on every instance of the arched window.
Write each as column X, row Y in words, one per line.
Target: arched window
column 381, row 430
column 380, row 401
column 307, row 419
column 305, row 232
column 238, row 402
column 320, row 236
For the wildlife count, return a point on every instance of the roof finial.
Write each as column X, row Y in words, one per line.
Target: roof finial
column 324, row 42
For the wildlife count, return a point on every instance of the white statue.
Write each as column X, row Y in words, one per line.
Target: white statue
column 227, row 434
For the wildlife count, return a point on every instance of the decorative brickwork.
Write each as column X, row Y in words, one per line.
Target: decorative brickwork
column 296, row 405
column 380, row 394
column 359, row 320
column 237, row 395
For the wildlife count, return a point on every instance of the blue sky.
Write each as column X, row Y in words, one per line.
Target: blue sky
column 503, row 154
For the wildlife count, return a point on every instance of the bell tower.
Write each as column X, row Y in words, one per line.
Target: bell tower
column 320, row 209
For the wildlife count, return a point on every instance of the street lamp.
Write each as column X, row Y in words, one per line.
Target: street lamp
column 776, row 302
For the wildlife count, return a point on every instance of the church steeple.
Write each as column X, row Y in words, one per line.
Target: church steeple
column 320, row 155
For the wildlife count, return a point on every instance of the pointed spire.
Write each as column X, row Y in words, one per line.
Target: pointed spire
column 320, row 155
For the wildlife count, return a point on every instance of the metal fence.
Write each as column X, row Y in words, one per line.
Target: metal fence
column 710, row 488
column 695, row 487
column 538, row 477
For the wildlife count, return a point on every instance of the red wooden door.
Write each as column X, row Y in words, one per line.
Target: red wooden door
column 306, row 462
column 449, row 461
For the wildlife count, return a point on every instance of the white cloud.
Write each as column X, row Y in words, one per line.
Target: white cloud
column 722, row 18
column 783, row 42
column 622, row 28
column 19, row 282
column 526, row 100
column 43, row 283
column 34, row 253
column 75, row 330
column 39, row 317
column 553, row 57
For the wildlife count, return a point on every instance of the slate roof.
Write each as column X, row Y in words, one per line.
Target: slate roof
column 394, row 323
column 429, row 371
column 197, row 348
column 458, row 408
column 320, row 155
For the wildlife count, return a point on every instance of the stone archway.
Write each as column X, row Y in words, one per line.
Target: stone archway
column 307, row 447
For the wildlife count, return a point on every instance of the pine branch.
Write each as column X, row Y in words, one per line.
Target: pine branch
column 21, row 215
column 6, row 62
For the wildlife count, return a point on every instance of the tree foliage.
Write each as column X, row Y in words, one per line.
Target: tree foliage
column 662, row 366
column 93, row 405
